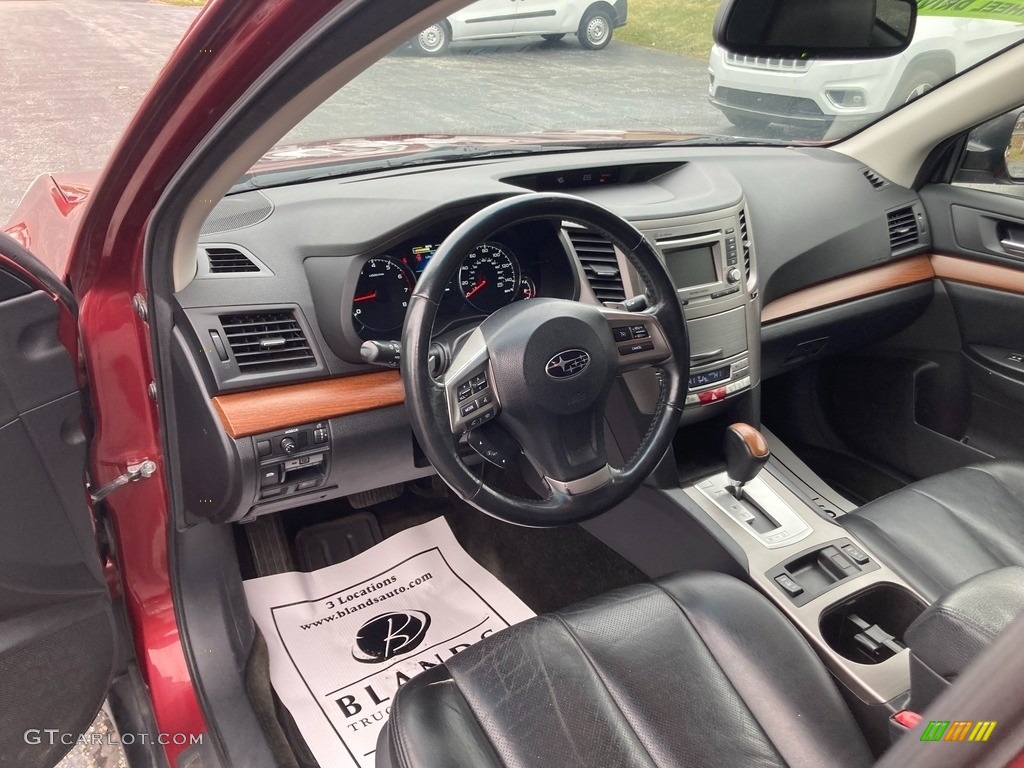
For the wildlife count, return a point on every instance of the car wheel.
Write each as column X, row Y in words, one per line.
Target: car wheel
column 554, row 38
column 434, row 40
column 914, row 85
column 595, row 30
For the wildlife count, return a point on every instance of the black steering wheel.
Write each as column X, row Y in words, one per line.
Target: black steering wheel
column 539, row 372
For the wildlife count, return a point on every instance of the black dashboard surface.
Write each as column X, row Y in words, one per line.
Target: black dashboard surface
column 813, row 215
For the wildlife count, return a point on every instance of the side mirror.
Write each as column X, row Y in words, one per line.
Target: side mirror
column 815, row 29
column 1014, row 153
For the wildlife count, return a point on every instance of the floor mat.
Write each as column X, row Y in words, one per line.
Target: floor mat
column 341, row 639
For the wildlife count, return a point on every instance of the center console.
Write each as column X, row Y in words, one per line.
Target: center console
column 849, row 604
column 710, row 259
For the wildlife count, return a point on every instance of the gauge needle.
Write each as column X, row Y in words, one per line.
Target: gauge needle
column 367, row 297
column 476, row 288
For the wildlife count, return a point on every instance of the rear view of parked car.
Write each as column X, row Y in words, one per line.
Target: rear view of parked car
column 591, row 22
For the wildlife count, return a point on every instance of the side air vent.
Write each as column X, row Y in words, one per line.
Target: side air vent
column 903, row 231
column 745, row 244
column 263, row 342
column 229, row 261
column 873, row 178
column 600, row 264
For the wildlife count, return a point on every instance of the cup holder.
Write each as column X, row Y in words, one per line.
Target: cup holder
column 868, row 627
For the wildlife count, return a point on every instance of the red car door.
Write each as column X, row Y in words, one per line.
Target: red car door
column 58, row 636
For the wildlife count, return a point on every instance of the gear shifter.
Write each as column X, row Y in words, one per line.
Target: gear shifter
column 746, row 451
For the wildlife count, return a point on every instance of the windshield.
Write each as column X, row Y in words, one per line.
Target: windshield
column 496, row 77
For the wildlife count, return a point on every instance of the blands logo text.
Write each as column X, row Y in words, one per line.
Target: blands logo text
column 958, row 730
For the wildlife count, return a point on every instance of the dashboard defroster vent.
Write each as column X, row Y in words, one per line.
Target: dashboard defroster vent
column 873, row 178
column 745, row 244
column 267, row 341
column 600, row 263
column 903, row 231
column 229, row 261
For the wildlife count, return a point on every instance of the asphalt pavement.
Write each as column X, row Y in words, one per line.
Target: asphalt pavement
column 72, row 72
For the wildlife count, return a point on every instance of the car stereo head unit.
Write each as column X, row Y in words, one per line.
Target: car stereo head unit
column 703, row 265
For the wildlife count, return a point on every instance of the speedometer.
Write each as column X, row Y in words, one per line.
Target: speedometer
column 381, row 297
column 489, row 277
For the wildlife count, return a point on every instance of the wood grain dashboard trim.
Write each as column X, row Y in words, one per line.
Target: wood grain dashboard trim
column 978, row 273
column 897, row 274
column 264, row 410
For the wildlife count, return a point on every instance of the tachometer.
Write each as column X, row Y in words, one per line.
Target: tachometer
column 489, row 277
column 382, row 296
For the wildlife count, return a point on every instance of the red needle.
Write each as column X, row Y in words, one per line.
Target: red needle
column 367, row 297
column 476, row 287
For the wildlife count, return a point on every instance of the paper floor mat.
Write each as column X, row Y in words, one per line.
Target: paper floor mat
column 342, row 639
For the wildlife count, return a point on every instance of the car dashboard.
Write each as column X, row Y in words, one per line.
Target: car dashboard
column 291, row 281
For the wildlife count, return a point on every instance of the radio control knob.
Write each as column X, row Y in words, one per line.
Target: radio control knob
column 733, row 275
column 288, row 445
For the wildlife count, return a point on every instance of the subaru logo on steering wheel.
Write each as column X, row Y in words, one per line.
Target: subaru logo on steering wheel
column 567, row 364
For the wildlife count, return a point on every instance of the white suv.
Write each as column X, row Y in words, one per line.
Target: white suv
column 753, row 91
column 592, row 22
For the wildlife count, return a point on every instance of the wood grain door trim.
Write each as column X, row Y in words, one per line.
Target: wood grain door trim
column 978, row 273
column 264, row 410
column 896, row 274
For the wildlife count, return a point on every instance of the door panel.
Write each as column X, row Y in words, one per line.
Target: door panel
column 484, row 18
column 57, row 630
column 541, row 16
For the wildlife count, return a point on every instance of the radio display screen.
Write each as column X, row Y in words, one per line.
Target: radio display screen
column 709, row 377
column 691, row 266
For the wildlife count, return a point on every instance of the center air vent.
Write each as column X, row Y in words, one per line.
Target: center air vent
column 224, row 261
column 903, row 231
column 263, row 342
column 745, row 244
column 600, row 264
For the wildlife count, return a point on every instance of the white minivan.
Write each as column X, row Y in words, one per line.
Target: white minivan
column 951, row 35
column 592, row 22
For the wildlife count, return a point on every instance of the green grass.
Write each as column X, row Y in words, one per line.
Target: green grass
column 677, row 26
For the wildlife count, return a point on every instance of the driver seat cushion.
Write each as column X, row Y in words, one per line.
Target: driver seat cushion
column 939, row 532
column 693, row 670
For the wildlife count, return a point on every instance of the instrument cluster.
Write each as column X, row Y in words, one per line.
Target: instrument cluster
column 491, row 276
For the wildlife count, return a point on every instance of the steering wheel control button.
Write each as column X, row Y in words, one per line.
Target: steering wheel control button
column 469, row 408
column 622, row 334
column 640, row 346
column 787, row 583
column 479, row 383
column 464, row 391
column 639, row 331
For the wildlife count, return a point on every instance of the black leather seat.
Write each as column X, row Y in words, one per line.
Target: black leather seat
column 695, row 670
column 940, row 532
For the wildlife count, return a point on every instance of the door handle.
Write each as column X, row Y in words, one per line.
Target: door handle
column 1012, row 246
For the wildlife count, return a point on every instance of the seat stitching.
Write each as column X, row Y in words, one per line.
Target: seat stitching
column 700, row 637
column 597, row 673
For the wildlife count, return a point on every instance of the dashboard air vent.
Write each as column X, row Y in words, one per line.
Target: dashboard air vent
column 600, row 264
column 873, row 178
column 267, row 341
column 224, row 261
column 903, row 230
column 745, row 244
